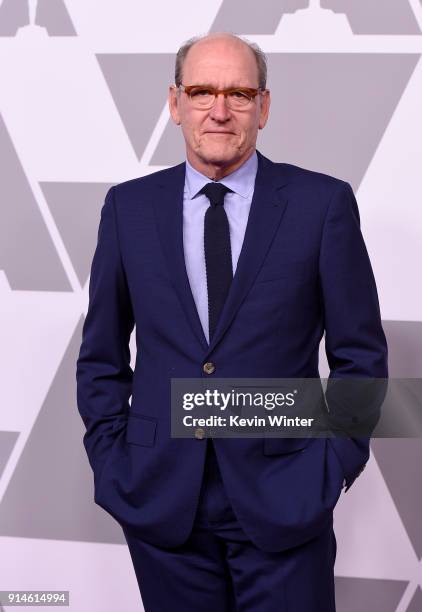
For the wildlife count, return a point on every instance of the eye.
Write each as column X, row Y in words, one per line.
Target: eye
column 239, row 94
column 197, row 93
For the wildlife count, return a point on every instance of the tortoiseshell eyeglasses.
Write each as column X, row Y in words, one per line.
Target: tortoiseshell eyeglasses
column 204, row 96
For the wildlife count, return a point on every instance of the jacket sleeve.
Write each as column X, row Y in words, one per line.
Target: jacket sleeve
column 355, row 343
column 103, row 372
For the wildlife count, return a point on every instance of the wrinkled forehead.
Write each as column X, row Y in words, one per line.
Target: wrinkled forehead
column 220, row 62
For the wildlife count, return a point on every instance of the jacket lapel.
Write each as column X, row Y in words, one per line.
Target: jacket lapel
column 168, row 207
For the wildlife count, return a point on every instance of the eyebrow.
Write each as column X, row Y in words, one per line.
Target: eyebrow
column 228, row 87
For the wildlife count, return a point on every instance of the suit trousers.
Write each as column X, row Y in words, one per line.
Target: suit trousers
column 219, row 568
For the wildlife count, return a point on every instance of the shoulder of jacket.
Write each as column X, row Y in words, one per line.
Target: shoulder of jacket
column 311, row 178
column 298, row 176
column 148, row 181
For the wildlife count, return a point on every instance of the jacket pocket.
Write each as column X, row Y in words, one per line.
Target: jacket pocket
column 141, row 430
column 283, row 446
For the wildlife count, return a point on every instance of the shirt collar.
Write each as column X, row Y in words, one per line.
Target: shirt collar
column 241, row 181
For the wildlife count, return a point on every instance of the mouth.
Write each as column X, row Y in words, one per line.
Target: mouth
column 218, row 132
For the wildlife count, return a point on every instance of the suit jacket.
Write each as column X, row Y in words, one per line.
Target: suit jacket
column 303, row 270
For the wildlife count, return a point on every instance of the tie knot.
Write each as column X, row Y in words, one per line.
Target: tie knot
column 215, row 192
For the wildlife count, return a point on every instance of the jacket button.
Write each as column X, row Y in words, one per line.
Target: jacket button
column 199, row 433
column 208, row 367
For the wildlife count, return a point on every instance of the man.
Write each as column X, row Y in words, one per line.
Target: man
column 231, row 266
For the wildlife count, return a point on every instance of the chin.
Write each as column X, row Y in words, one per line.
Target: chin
column 216, row 155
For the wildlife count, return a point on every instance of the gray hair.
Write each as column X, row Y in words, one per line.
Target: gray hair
column 260, row 57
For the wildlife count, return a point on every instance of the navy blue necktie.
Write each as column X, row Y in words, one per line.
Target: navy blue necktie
column 218, row 257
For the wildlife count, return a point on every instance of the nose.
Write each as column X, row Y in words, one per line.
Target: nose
column 220, row 111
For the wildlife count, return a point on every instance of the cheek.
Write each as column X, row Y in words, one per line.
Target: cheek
column 191, row 127
column 251, row 129
column 189, row 132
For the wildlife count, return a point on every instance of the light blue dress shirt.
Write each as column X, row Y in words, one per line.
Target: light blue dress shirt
column 236, row 205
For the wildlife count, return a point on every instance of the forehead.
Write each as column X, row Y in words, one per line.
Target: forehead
column 220, row 60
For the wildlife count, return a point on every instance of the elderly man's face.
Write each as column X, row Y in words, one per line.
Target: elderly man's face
column 219, row 139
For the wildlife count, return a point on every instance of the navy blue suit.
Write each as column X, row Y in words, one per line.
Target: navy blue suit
column 303, row 270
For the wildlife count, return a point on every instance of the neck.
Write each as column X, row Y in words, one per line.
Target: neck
column 215, row 171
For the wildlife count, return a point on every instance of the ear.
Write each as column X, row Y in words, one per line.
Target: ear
column 173, row 101
column 265, row 109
